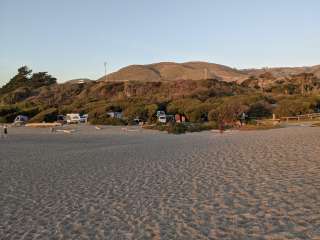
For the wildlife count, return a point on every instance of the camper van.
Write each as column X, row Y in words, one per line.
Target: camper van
column 20, row 120
column 162, row 119
column 73, row 118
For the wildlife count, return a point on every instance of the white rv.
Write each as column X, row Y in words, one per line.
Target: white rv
column 162, row 119
column 73, row 118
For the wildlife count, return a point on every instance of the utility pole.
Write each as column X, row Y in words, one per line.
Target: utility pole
column 205, row 73
column 105, row 70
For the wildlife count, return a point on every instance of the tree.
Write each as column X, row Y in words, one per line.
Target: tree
column 294, row 107
column 136, row 111
column 42, row 79
column 264, row 77
column 259, row 110
column 21, row 79
column 24, row 79
column 306, row 81
column 228, row 111
column 151, row 112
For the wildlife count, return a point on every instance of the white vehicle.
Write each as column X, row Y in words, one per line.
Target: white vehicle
column 73, row 118
column 161, row 113
column 84, row 118
column 162, row 119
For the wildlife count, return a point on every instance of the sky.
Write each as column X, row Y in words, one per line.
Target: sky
column 73, row 38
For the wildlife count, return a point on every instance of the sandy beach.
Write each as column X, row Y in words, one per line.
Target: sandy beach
column 114, row 184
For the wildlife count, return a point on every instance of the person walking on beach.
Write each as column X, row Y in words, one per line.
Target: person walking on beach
column 5, row 130
column 221, row 126
column 243, row 119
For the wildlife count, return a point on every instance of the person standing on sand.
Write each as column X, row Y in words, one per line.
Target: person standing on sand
column 5, row 130
column 221, row 126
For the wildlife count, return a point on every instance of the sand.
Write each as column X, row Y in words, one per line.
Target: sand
column 115, row 184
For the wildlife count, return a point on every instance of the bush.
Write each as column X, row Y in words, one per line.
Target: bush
column 136, row 111
column 30, row 112
column 259, row 110
column 177, row 128
column 229, row 111
column 287, row 108
column 158, row 126
column 151, row 112
column 106, row 120
column 198, row 127
column 49, row 115
column 193, row 109
column 8, row 113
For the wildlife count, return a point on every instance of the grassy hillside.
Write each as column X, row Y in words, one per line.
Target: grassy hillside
column 259, row 95
column 168, row 71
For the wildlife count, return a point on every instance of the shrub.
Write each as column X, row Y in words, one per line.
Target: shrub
column 136, row 111
column 104, row 119
column 158, row 126
column 193, row 109
column 287, row 108
column 195, row 127
column 49, row 115
column 9, row 113
column 182, row 105
column 177, row 128
column 151, row 112
column 259, row 110
column 228, row 111
column 30, row 112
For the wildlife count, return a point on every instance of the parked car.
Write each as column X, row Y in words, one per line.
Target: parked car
column 136, row 121
column 73, row 118
column 61, row 119
column 84, row 118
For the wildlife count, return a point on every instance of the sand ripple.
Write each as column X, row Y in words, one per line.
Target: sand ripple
column 143, row 185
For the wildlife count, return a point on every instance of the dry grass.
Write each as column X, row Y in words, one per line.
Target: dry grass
column 260, row 127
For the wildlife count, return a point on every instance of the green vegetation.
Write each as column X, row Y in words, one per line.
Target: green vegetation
column 296, row 105
column 106, row 120
column 48, row 115
column 22, row 84
column 179, row 128
column 204, row 103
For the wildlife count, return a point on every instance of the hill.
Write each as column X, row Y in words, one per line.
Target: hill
column 196, row 89
column 169, row 71
column 283, row 72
